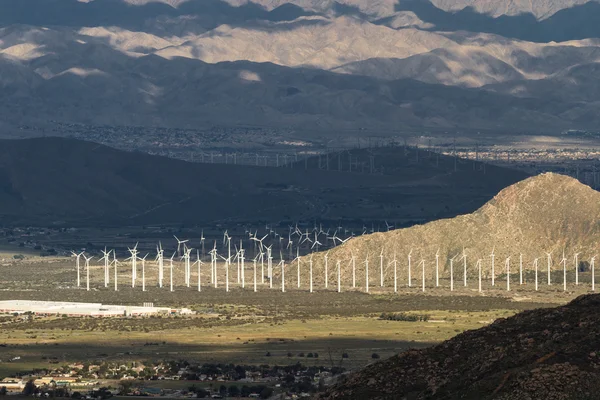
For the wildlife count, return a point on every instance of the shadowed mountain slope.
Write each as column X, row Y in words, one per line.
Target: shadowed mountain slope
column 548, row 213
column 537, row 355
column 49, row 180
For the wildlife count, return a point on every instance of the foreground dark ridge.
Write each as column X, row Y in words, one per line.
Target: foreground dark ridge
column 539, row 354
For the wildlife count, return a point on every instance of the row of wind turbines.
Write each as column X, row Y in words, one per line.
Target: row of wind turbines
column 305, row 265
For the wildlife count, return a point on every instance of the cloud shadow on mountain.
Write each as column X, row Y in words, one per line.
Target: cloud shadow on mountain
column 207, row 14
column 579, row 22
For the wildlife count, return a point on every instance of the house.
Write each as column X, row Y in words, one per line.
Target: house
column 12, row 384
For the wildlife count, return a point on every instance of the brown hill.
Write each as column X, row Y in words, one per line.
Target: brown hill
column 544, row 354
column 546, row 213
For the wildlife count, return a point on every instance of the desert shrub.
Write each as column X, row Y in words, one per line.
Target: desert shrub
column 404, row 317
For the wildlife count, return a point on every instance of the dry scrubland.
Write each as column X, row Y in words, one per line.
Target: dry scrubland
column 241, row 326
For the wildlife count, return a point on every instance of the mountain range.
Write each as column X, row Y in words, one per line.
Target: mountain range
column 306, row 65
column 59, row 181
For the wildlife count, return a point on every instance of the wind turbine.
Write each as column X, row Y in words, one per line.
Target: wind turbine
column 242, row 267
column 282, row 263
column 563, row 261
column 310, row 272
column 298, row 266
column 254, row 263
column 395, row 262
column 520, row 268
column 367, row 274
column 87, row 271
column 549, row 263
column 339, row 277
column 353, row 261
column 202, row 240
column 479, row 270
column 78, row 255
column 171, row 268
column 507, row 265
column 437, row 268
column 326, row 259
column 143, row 260
column 381, row 267
column 133, row 259
column 199, row 262
column 423, row 273
column 576, row 268
column 535, row 265
column 493, row 272
column 179, row 243
column 593, row 274
column 160, row 256
column 452, row 272
column 106, row 259
column 116, row 262
column 464, row 257
column 187, row 251
column 409, row 269
column 213, row 265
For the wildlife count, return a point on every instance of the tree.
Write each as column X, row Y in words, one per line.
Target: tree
column 266, row 393
column 223, row 390
column 3, row 391
column 202, row 393
column 233, row 391
column 29, row 388
column 125, row 386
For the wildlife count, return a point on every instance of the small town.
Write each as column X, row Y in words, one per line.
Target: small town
column 105, row 379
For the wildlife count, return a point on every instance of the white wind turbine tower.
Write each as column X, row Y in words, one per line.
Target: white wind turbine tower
column 202, row 240
column 563, row 261
column 339, row 277
column 479, row 271
column 133, row 259
column 464, row 257
column 493, row 271
column 381, row 267
column 507, row 266
column 535, row 266
column 116, row 262
column 269, row 262
column 270, row 266
column 437, row 268
column 549, row 264
column 187, row 252
column 452, row 272
column 520, row 268
column 423, row 273
column 409, row 269
column 213, row 265
column 576, row 268
column 282, row 263
column 326, row 259
column 199, row 262
column 78, row 255
column 143, row 260
column 171, row 268
column 593, row 275
column 160, row 257
column 310, row 272
column 298, row 265
column 395, row 262
column 367, row 273
column 353, row 261
column 254, row 264
column 87, row 271
column 226, row 273
column 106, row 259
column 242, row 267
